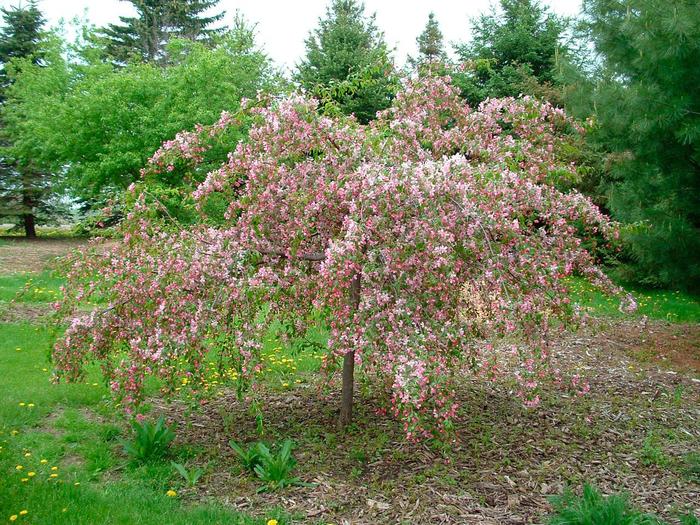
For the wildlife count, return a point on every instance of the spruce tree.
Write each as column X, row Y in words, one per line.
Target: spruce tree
column 189, row 21
column 19, row 37
column 431, row 47
column 645, row 103
column 23, row 186
column 347, row 45
column 513, row 51
column 144, row 36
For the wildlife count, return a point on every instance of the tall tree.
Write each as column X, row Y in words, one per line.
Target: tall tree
column 99, row 124
column 645, row 103
column 513, row 50
column 23, row 184
column 145, row 35
column 347, row 44
column 189, row 20
column 431, row 47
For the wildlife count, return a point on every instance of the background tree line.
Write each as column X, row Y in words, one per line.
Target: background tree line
column 79, row 119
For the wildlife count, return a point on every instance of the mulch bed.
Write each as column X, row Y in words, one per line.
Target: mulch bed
column 21, row 255
column 505, row 461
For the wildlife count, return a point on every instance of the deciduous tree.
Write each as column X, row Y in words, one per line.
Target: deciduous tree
column 412, row 240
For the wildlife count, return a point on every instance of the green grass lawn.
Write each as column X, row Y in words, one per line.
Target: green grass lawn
column 60, row 455
column 668, row 305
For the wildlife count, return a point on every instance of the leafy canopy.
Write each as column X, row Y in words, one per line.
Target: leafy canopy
column 100, row 124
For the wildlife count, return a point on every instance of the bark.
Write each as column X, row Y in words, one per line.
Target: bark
column 349, row 361
column 28, row 204
column 29, row 226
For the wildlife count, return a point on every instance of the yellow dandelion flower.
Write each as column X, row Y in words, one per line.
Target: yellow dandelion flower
column 31, row 405
column 22, row 404
column 24, row 480
column 13, row 517
column 23, row 512
column 31, row 474
column 44, row 461
column 54, row 475
column 171, row 493
column 19, row 467
column 54, row 468
column 27, row 454
column 271, row 522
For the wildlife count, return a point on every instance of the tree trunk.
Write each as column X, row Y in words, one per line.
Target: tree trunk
column 349, row 361
column 29, row 228
column 28, row 205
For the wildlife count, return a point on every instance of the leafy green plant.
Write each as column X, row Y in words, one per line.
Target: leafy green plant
column 692, row 466
column 150, row 440
column 276, row 469
column 592, row 508
column 689, row 519
column 250, row 457
column 652, row 453
column 191, row 477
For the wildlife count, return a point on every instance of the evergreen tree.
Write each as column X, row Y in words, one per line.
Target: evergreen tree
column 189, row 21
column 347, row 46
column 145, row 35
column 19, row 37
column 645, row 102
column 431, row 47
column 513, row 51
column 24, row 186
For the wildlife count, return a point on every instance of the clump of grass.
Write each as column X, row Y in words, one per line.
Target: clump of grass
column 592, row 508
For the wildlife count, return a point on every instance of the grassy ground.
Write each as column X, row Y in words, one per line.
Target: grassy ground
column 665, row 305
column 60, row 455
column 638, row 431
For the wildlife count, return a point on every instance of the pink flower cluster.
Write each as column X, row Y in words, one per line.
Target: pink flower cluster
column 445, row 213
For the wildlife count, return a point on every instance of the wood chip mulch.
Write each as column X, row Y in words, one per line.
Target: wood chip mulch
column 632, row 433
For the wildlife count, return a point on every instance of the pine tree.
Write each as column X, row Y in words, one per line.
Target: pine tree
column 23, row 186
column 145, row 35
column 645, row 102
column 430, row 43
column 347, row 45
column 513, row 51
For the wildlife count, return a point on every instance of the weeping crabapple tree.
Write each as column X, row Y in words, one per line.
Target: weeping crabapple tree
column 417, row 240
